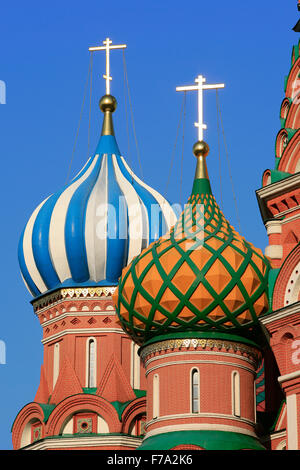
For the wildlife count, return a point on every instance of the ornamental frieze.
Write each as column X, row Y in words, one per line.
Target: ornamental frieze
column 87, row 292
column 197, row 343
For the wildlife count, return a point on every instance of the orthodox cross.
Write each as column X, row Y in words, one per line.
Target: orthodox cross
column 107, row 47
column 200, row 80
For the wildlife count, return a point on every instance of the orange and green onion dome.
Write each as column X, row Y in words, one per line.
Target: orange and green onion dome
column 202, row 276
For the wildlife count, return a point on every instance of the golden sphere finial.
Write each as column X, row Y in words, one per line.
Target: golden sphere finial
column 108, row 103
column 200, row 148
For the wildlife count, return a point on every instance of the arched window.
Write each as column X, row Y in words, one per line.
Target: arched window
column 155, row 396
column 55, row 363
column 91, row 363
column 195, row 391
column 236, row 401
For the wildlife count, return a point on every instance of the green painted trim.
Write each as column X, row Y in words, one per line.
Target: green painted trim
column 277, row 161
column 273, row 274
column 47, row 410
column 90, row 390
column 120, row 407
column 290, row 132
column 209, row 440
column 204, row 335
column 201, row 186
column 277, row 175
column 140, row 393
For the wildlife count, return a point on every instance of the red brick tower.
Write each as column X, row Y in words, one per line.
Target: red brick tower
column 279, row 201
column 71, row 253
column 191, row 300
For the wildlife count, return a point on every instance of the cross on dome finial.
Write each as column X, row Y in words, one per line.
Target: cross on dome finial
column 107, row 47
column 200, row 80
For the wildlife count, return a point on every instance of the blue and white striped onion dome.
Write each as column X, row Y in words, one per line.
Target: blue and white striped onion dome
column 86, row 233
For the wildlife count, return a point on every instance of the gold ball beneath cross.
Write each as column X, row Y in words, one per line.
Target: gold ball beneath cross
column 200, row 148
column 108, row 103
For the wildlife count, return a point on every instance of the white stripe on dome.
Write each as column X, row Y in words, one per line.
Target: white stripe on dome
column 146, row 228
column 80, row 171
column 28, row 253
column 166, row 208
column 57, row 245
column 135, row 218
column 96, row 226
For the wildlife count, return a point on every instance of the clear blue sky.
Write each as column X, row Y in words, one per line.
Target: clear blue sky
column 44, row 62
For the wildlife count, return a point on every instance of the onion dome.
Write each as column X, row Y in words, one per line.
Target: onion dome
column 201, row 277
column 88, row 231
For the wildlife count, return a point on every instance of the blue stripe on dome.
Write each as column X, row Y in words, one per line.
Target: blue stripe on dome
column 33, row 288
column 40, row 236
column 155, row 223
column 75, row 227
column 107, row 144
column 117, row 236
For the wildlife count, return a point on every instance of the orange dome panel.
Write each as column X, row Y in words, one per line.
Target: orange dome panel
column 163, row 245
column 138, row 323
column 261, row 305
column 234, row 299
column 250, row 280
column 141, row 305
column 245, row 317
column 169, row 259
column 239, row 244
column 124, row 312
column 200, row 256
column 201, row 298
column 128, row 288
column 169, row 301
column 234, row 258
column 152, row 281
column 258, row 261
column 186, row 314
column 214, row 243
column 184, row 278
column 159, row 317
column 142, row 263
column 216, row 314
column 218, row 276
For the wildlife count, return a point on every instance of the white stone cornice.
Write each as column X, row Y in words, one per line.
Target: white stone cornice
column 281, row 313
column 200, row 415
column 291, row 376
column 85, row 442
column 279, row 187
column 88, row 331
column 199, row 427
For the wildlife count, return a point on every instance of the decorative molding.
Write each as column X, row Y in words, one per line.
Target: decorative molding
column 279, row 187
column 199, row 427
column 203, row 353
column 80, row 292
column 291, row 376
column 77, row 314
column 195, row 343
column 230, row 364
column 199, row 415
column 86, row 331
column 84, row 441
column 281, row 313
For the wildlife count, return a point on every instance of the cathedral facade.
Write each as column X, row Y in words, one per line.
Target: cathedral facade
column 163, row 332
